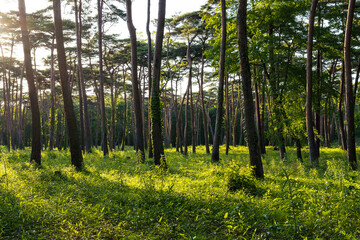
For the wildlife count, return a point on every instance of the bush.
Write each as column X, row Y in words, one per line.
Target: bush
column 241, row 178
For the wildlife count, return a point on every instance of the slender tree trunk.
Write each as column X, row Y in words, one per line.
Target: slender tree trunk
column 53, row 97
column 125, row 115
column 186, row 123
column 236, row 117
column 298, row 149
column 340, row 111
column 75, row 149
column 350, row 103
column 101, row 90
column 135, row 86
column 149, row 77
column 219, row 111
column 317, row 108
column 309, row 86
column 254, row 149
column 156, row 129
column 82, row 132
column 227, row 116
column 20, row 118
column 86, row 122
column 201, row 90
column 258, row 119
column 193, row 121
column 35, row 112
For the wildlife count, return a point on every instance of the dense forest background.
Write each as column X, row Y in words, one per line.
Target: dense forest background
column 182, row 82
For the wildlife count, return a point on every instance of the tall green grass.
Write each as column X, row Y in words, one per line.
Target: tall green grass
column 117, row 198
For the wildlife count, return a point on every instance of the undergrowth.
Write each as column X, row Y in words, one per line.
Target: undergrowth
column 117, row 198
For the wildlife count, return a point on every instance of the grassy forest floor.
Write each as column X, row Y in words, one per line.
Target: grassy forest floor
column 116, row 198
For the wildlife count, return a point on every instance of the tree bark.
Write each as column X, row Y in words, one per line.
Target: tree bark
column 157, row 138
column 254, row 149
column 75, row 149
column 35, row 112
column 135, row 86
column 201, row 91
column 340, row 111
column 309, row 86
column 149, row 76
column 227, row 116
column 350, row 103
column 220, row 108
column 86, row 122
column 101, row 90
column 53, row 96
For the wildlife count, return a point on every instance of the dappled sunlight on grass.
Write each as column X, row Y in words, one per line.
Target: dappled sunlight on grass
column 117, row 198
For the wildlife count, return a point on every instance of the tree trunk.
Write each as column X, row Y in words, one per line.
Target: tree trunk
column 340, row 111
column 35, row 112
column 20, row 115
column 82, row 132
column 53, row 97
column 186, row 122
column 309, row 86
column 101, row 90
column 350, row 103
column 158, row 143
column 258, row 119
column 86, row 122
column 135, row 86
column 227, row 116
column 149, row 77
column 75, row 149
column 203, row 109
column 254, row 149
column 219, row 111
column 125, row 114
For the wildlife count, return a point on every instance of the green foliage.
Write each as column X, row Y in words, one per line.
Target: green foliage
column 241, row 178
column 116, row 198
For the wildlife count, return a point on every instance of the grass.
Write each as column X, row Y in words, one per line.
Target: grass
column 116, row 198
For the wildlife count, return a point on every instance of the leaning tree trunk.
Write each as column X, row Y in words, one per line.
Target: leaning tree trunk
column 35, row 112
column 220, row 108
column 254, row 149
column 309, row 86
column 75, row 148
column 156, row 130
column 350, row 103
column 135, row 86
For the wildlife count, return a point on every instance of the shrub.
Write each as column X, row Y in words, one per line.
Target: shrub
column 241, row 178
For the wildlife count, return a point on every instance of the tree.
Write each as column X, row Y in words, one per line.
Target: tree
column 350, row 101
column 75, row 148
column 220, row 98
column 148, row 34
column 101, row 76
column 135, row 86
column 86, row 122
column 156, row 116
column 254, row 149
column 35, row 112
column 309, row 85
